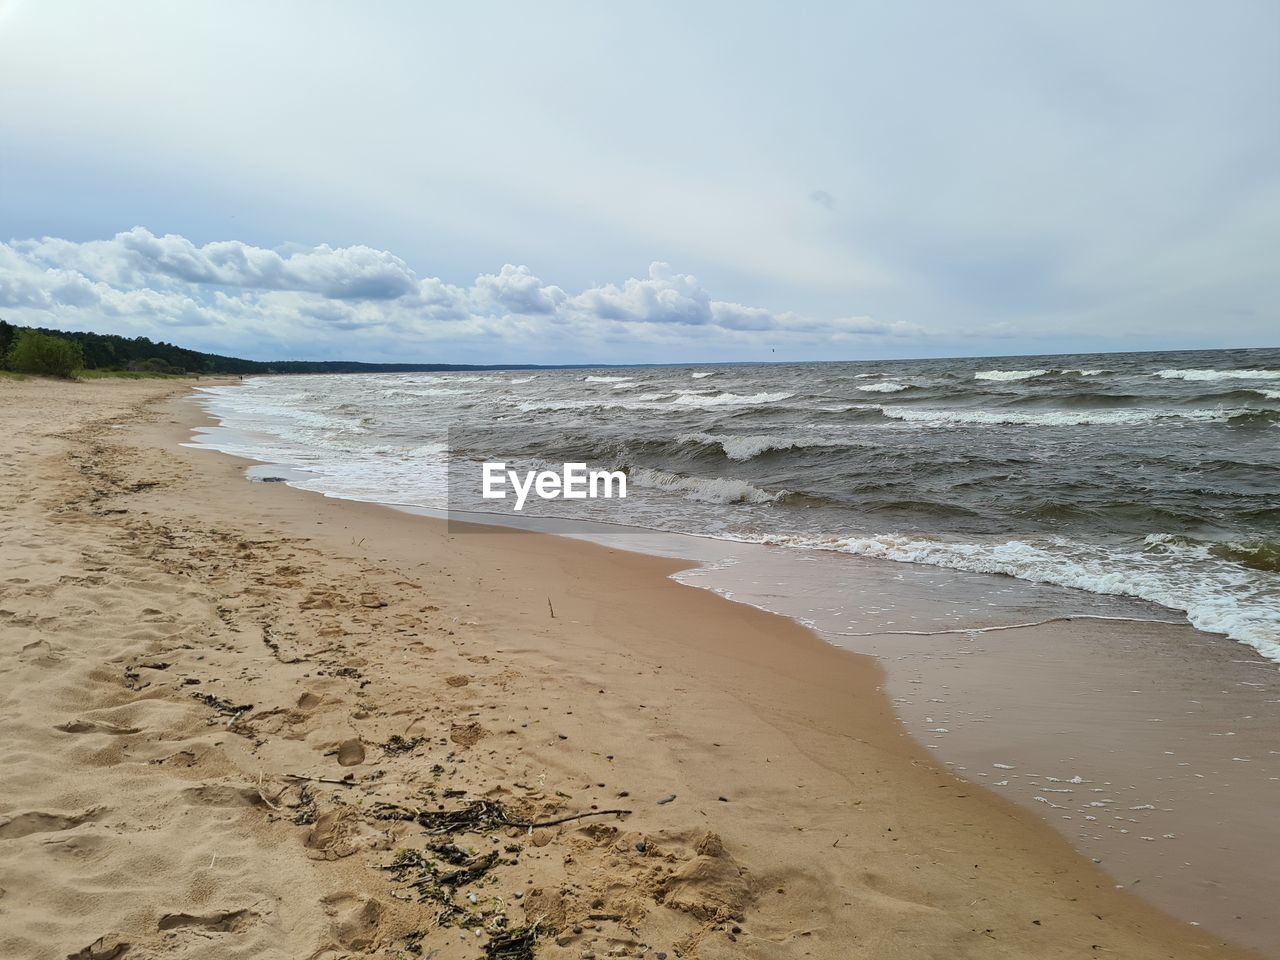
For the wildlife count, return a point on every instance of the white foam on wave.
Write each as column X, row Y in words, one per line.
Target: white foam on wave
column 1178, row 374
column 643, row 401
column 1008, row 374
column 886, row 386
column 1270, row 394
column 1217, row 596
column 702, row 374
column 705, row 489
column 524, row 379
column 692, row 399
column 594, row 379
column 426, row 392
column 1084, row 373
column 1054, row 418
column 745, row 447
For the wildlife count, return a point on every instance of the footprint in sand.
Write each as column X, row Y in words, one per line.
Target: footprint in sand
column 109, row 947
column 222, row 795
column 308, row 701
column 96, row 726
column 41, row 652
column 351, row 752
column 226, row 921
column 355, row 919
column 39, row 821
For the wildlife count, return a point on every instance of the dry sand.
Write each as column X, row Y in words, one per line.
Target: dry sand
column 179, row 648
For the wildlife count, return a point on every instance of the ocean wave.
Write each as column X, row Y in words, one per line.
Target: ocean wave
column 885, row 386
column 745, row 447
column 416, row 392
column 1008, row 374
column 524, row 379
column 702, row 374
column 1178, row 374
column 691, row 399
column 1058, row 418
column 1218, row 598
column 595, row 403
column 704, row 489
column 594, row 379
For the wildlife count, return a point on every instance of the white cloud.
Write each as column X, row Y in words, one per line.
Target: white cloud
column 244, row 298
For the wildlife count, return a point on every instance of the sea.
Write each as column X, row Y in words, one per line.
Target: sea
column 1152, row 476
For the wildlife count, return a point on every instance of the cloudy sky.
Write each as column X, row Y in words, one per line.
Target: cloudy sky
column 643, row 182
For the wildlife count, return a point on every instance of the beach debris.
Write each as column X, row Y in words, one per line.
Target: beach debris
column 348, row 780
column 667, row 799
column 225, row 707
column 514, row 944
column 479, row 816
column 398, row 744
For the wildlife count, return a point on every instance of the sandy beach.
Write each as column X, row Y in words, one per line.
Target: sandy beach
column 248, row 721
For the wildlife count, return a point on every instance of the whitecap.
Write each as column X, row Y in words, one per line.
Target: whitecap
column 744, row 447
column 691, row 399
column 1008, row 374
column 1050, row 418
column 705, row 489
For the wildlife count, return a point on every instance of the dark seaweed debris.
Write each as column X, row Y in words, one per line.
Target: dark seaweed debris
column 398, row 744
column 514, row 944
column 223, row 706
column 476, row 817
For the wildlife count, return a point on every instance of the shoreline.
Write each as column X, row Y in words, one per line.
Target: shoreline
column 876, row 848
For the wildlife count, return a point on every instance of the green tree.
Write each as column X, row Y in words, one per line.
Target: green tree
column 6, row 340
column 44, row 356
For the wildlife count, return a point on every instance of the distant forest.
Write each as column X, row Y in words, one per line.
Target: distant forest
column 106, row 351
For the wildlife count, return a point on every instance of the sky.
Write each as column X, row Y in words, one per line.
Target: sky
column 658, row 182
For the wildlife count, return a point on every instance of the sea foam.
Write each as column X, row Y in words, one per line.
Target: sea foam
column 706, row 489
column 1008, row 374
column 746, row 447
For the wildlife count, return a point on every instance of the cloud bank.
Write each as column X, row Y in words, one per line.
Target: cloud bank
column 233, row 296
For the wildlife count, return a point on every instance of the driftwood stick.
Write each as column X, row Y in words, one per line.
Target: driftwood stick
column 530, row 824
column 341, row 783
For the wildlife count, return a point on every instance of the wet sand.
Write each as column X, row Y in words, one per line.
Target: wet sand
column 232, row 706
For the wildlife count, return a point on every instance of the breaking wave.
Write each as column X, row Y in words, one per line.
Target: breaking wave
column 691, row 399
column 1060, row 418
column 1008, row 374
column 707, row 490
column 748, row 447
column 1218, row 598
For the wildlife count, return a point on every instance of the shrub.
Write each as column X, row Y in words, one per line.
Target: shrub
column 154, row 365
column 43, row 355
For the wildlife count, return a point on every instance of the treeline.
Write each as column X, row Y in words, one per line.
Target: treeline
column 106, row 351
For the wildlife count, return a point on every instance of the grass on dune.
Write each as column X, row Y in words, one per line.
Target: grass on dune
column 124, row 375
